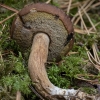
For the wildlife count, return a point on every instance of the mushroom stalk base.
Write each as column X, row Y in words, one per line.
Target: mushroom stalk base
column 36, row 65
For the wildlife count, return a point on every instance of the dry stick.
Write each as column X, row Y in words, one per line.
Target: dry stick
column 83, row 23
column 94, row 25
column 47, row 2
column 64, row 6
column 96, row 49
column 96, row 66
column 96, row 58
column 89, row 5
column 80, row 10
column 9, row 8
column 74, row 5
column 95, row 52
column 8, row 18
column 82, row 26
column 86, row 8
column 89, row 19
column 95, row 5
column 82, row 31
column 3, row 27
column 1, row 57
column 18, row 95
column 35, row 92
column 69, row 6
column 88, row 53
column 78, row 3
column 81, row 77
column 91, row 56
column 2, row 62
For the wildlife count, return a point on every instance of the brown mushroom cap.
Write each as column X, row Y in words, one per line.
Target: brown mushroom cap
column 45, row 18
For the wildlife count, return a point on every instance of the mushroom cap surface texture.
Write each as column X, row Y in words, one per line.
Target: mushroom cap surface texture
column 48, row 19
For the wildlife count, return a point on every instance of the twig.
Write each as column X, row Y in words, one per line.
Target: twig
column 64, row 6
column 90, row 81
column 3, row 27
column 8, row 18
column 86, row 8
column 47, row 2
column 34, row 91
column 89, row 20
column 82, row 7
column 80, row 31
column 83, row 22
column 69, row 6
column 91, row 56
column 94, row 59
column 95, row 52
column 2, row 61
column 94, row 25
column 71, row 53
column 9, row 8
column 95, row 5
column 82, row 27
column 89, row 5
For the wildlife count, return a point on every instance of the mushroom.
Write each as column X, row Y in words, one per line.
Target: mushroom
column 46, row 32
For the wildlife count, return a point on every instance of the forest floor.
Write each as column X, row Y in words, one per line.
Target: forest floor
column 80, row 68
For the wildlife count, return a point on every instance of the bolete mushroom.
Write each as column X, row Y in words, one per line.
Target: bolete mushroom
column 48, row 31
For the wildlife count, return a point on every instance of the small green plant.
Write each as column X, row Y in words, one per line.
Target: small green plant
column 14, row 74
column 64, row 75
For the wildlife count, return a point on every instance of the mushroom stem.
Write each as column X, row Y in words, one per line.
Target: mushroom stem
column 36, row 65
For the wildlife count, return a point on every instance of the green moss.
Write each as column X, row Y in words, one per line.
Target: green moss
column 89, row 90
column 14, row 74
